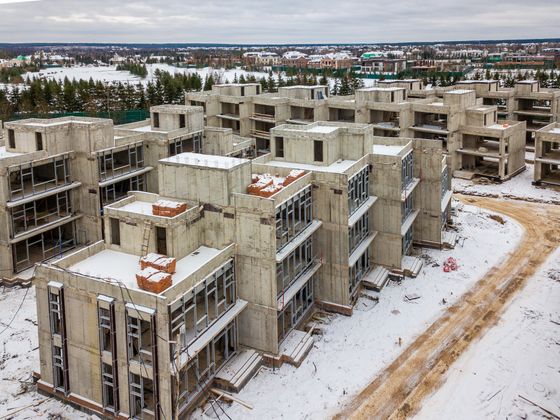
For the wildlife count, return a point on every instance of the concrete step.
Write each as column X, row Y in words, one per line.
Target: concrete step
column 449, row 239
column 235, row 374
column 411, row 266
column 376, row 278
column 296, row 346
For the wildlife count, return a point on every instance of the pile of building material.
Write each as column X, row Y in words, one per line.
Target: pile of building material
column 168, row 208
column 153, row 280
column 266, row 185
column 159, row 262
column 156, row 272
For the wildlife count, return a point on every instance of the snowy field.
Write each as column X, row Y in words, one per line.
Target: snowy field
column 349, row 354
column 519, row 356
column 354, row 349
column 110, row 74
column 519, row 187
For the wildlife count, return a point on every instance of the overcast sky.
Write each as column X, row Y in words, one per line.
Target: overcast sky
column 276, row 21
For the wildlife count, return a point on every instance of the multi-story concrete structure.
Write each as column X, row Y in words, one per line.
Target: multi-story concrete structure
column 57, row 175
column 490, row 148
column 256, row 245
column 117, row 348
column 538, row 107
column 547, row 155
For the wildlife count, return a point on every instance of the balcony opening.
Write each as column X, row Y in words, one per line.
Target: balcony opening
column 279, row 146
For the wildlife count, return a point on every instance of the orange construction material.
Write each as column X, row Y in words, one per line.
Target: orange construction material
column 255, row 188
column 168, row 208
column 292, row 176
column 152, row 280
column 159, row 262
column 269, row 191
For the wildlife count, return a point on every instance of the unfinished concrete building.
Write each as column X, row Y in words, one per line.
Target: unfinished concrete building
column 237, row 257
column 386, row 109
column 56, row 177
column 492, row 94
column 491, row 148
column 538, row 107
column 547, row 155
column 58, row 174
column 137, row 326
column 227, row 106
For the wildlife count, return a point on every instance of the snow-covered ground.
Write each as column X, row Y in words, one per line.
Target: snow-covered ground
column 110, row 74
column 349, row 354
column 518, row 187
column 519, row 356
column 353, row 350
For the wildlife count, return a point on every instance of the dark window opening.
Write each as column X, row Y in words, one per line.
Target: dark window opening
column 11, row 139
column 161, row 234
column 156, row 119
column 115, row 231
column 279, row 146
column 317, row 151
column 39, row 141
column 182, row 122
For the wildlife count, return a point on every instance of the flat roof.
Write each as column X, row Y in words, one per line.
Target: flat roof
column 321, row 129
column 340, row 166
column 387, row 150
column 122, row 267
column 146, row 129
column 459, row 91
column 6, row 154
column 206, row 161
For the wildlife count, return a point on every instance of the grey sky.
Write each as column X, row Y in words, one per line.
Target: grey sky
column 279, row 21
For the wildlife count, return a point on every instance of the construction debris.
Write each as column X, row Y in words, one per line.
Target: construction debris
column 450, row 265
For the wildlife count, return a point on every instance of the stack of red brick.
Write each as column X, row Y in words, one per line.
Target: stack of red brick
column 168, row 208
column 266, row 185
column 156, row 272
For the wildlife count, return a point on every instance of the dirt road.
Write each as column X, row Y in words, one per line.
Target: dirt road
column 397, row 392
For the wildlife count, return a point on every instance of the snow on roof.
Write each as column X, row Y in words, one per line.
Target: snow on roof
column 6, row 154
column 340, row 166
column 147, row 129
column 392, row 150
column 321, row 129
column 460, row 91
column 122, row 267
column 208, row 161
column 138, row 206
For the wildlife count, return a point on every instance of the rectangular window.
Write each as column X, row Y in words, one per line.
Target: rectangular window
column 358, row 190
column 139, row 335
column 39, row 141
column 11, row 139
column 156, row 119
column 294, row 265
column 358, row 232
column 115, row 231
column 142, row 401
column 182, row 123
column 293, row 216
column 55, row 311
column 317, row 150
column 106, row 334
column 59, row 377
column 279, row 146
column 109, row 393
